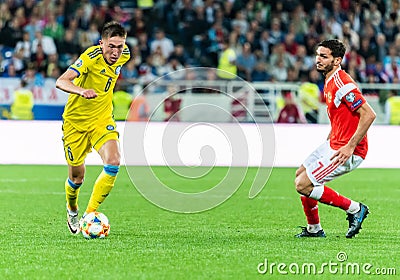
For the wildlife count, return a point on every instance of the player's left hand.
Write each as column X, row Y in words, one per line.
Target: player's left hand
column 342, row 155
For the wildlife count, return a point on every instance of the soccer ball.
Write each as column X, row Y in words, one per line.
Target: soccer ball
column 95, row 225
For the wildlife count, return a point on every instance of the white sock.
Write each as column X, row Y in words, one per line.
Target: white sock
column 314, row 228
column 354, row 207
column 72, row 213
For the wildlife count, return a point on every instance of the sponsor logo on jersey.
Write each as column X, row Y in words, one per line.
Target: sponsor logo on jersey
column 78, row 62
column 110, row 127
column 350, row 97
column 356, row 104
column 118, row 70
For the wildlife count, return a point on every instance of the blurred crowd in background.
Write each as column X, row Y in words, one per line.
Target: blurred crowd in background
column 270, row 40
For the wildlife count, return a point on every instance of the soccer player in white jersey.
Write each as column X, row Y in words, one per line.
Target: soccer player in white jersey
column 346, row 147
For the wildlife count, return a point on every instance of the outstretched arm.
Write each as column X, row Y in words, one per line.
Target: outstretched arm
column 64, row 82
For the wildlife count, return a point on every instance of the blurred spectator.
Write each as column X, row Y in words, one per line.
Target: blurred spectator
column 316, row 78
column 393, row 71
column 279, row 54
column 392, row 108
column 26, row 46
column 180, row 54
column 300, row 23
column 276, row 34
column 53, row 69
column 240, row 22
column 186, row 17
column 147, row 72
column 391, row 63
column 21, row 109
column 367, row 50
column 290, row 43
column 11, row 33
column 381, row 49
column 10, row 71
column 166, row 44
column 46, row 42
column 309, row 94
column 129, row 74
column 227, row 68
column 279, row 71
column 172, row 66
column 355, row 63
column 143, row 46
column 139, row 24
column 260, row 73
column 333, row 29
column 303, row 63
column 121, row 103
column 172, row 104
column 264, row 43
column 245, row 62
column 68, row 50
column 45, row 7
column 337, row 12
column 73, row 28
column 139, row 110
column 290, row 113
column 373, row 15
column 390, row 29
column 292, row 75
column 157, row 58
column 39, row 58
column 352, row 37
column 53, row 29
column 34, row 25
column 93, row 34
column 5, row 14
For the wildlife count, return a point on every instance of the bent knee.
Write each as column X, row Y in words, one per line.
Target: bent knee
column 303, row 185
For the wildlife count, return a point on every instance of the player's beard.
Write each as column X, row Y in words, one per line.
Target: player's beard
column 328, row 68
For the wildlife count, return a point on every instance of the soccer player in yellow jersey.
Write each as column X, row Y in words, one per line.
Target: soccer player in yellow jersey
column 88, row 120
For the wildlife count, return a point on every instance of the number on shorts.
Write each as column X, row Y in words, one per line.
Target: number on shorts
column 69, row 153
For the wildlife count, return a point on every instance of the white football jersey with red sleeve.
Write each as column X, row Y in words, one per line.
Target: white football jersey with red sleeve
column 343, row 98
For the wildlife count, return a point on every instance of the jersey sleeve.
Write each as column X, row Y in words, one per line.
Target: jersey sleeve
column 354, row 99
column 85, row 60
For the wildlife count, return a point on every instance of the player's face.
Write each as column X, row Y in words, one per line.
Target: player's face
column 324, row 60
column 112, row 48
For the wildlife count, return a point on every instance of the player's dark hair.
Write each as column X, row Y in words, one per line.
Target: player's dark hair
column 113, row 29
column 336, row 46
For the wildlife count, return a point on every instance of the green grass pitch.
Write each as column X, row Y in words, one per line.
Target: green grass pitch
column 227, row 242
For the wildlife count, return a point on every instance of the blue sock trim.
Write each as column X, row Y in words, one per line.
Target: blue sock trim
column 73, row 185
column 111, row 170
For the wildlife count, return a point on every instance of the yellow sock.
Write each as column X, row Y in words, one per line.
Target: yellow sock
column 102, row 187
column 71, row 194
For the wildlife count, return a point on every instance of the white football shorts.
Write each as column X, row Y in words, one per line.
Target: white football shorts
column 320, row 168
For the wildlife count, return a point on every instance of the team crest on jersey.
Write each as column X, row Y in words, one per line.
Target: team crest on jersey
column 328, row 97
column 350, row 97
column 78, row 62
column 110, row 127
column 118, row 70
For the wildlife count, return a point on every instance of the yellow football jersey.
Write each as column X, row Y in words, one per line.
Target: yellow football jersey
column 93, row 73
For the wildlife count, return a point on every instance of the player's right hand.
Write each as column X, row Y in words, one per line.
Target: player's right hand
column 89, row 94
